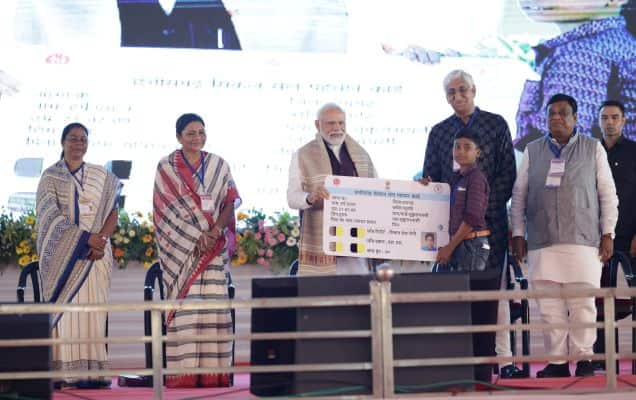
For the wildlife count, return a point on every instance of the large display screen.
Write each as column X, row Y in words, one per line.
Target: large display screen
column 258, row 70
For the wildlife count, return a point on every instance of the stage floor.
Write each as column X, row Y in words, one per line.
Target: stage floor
column 530, row 388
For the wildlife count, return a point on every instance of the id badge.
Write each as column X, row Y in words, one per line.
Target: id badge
column 553, row 181
column 557, row 167
column 207, row 203
column 85, row 207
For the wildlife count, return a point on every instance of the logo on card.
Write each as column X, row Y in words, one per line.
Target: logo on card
column 437, row 188
column 387, row 185
column 336, row 181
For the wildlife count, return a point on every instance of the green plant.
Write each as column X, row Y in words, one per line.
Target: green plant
column 17, row 238
column 269, row 241
column 134, row 239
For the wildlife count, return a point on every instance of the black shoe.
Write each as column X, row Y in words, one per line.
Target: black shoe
column 511, row 371
column 598, row 365
column 60, row 385
column 555, row 371
column 584, row 368
column 92, row 384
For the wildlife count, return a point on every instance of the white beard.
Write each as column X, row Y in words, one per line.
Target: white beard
column 334, row 141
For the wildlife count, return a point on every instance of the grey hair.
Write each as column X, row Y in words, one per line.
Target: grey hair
column 458, row 73
column 327, row 107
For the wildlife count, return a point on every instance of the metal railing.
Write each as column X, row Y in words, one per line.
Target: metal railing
column 381, row 333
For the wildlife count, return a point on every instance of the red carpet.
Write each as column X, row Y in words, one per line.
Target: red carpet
column 240, row 390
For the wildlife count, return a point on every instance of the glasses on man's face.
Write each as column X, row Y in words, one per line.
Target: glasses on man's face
column 461, row 90
column 77, row 140
column 560, row 113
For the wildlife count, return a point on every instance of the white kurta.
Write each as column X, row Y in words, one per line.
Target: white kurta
column 297, row 199
column 567, row 266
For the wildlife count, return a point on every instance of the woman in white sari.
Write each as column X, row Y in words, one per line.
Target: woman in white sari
column 76, row 209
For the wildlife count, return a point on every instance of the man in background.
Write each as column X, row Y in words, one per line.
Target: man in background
column 621, row 155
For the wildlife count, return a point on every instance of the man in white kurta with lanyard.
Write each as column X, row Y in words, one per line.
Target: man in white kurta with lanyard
column 565, row 200
column 331, row 152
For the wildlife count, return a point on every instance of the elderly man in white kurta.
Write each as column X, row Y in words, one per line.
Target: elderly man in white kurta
column 331, row 152
column 565, row 200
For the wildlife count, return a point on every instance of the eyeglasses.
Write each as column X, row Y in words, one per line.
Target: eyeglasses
column 561, row 113
column 77, row 140
column 461, row 90
column 193, row 134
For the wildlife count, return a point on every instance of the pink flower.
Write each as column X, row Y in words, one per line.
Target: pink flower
column 269, row 253
column 281, row 237
column 272, row 241
column 261, row 224
column 268, row 238
column 257, row 236
column 261, row 252
column 260, row 261
column 266, row 263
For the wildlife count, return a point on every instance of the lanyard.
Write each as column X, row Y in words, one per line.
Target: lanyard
column 199, row 174
column 79, row 182
column 470, row 122
column 556, row 150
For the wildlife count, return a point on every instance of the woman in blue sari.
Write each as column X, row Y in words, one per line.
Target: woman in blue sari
column 76, row 214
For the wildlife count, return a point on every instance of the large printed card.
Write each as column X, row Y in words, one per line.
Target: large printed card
column 380, row 218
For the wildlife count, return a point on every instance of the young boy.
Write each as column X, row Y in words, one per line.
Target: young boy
column 468, row 248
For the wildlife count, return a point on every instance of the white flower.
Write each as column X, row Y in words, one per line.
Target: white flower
column 126, row 240
column 291, row 242
column 295, row 232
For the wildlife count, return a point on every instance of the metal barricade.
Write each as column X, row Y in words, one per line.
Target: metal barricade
column 381, row 333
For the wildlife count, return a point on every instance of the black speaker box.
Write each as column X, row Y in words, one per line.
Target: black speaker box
column 22, row 359
column 278, row 352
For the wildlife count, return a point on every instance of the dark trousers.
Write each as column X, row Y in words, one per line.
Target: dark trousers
column 469, row 255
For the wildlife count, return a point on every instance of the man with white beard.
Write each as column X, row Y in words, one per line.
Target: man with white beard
column 331, row 152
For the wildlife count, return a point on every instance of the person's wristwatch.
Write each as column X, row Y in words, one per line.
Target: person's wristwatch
column 307, row 199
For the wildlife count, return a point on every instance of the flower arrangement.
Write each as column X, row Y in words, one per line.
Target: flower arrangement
column 268, row 241
column 17, row 238
column 134, row 239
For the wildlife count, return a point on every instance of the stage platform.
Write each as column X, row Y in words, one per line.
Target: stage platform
column 129, row 287
column 531, row 388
